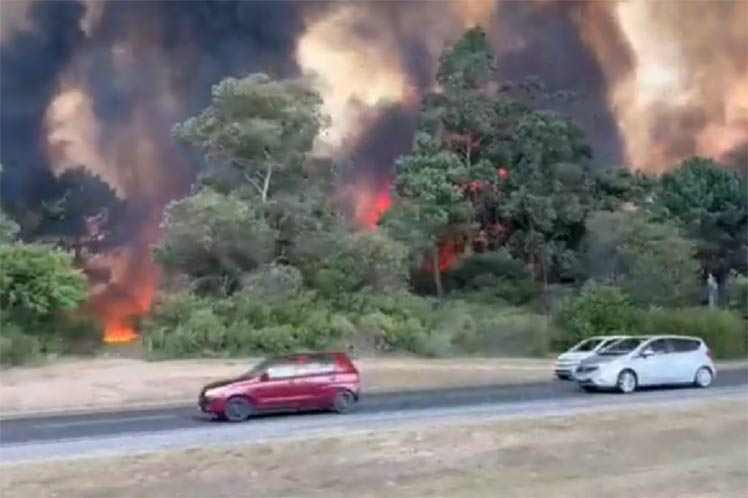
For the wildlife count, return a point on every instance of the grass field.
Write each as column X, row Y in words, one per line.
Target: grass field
column 696, row 451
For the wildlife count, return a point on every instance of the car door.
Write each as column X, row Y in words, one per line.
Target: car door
column 655, row 369
column 685, row 359
column 277, row 389
column 317, row 378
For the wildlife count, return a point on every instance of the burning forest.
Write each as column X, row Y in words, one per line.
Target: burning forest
column 90, row 92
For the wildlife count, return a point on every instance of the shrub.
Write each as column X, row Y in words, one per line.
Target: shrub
column 724, row 331
column 16, row 347
column 737, row 294
column 597, row 311
column 495, row 275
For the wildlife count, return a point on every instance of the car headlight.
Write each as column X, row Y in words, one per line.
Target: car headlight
column 211, row 392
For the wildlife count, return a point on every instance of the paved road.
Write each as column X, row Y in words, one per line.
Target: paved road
column 153, row 421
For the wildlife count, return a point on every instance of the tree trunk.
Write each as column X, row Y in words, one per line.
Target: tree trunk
column 266, row 185
column 437, row 274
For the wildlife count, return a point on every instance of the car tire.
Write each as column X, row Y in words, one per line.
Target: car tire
column 703, row 377
column 343, row 402
column 627, row 382
column 238, row 409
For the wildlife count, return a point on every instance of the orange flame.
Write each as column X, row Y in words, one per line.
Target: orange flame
column 369, row 204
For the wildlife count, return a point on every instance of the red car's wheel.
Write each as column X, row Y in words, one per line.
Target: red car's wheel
column 238, row 409
column 344, row 401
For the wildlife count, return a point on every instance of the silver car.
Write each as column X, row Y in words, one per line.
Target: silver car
column 648, row 361
column 568, row 361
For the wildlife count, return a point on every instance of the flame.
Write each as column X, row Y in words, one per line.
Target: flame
column 449, row 253
column 369, row 213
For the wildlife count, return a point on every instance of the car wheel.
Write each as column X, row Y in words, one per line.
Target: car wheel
column 344, row 401
column 626, row 382
column 703, row 377
column 238, row 409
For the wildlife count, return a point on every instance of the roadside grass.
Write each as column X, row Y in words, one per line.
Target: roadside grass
column 698, row 450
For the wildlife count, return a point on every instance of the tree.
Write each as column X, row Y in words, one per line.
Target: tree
column 428, row 200
column 363, row 261
column 36, row 281
column 258, row 129
column 711, row 204
column 652, row 262
column 215, row 238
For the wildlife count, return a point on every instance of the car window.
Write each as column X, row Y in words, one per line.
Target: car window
column 624, row 346
column 608, row 342
column 317, row 365
column 684, row 345
column 282, row 370
column 586, row 346
column 660, row 346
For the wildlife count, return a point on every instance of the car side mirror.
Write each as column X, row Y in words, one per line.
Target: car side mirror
column 647, row 353
column 264, row 377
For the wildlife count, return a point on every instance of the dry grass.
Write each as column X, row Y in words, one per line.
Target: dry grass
column 686, row 452
column 118, row 382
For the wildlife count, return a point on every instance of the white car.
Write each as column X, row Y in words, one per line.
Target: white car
column 648, row 361
column 567, row 362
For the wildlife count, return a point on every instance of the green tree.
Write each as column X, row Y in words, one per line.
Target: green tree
column 428, row 200
column 257, row 130
column 36, row 281
column 651, row 261
column 215, row 238
column 711, row 203
column 363, row 261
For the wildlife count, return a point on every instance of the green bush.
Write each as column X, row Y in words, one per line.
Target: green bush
column 16, row 347
column 597, row 311
column 724, row 331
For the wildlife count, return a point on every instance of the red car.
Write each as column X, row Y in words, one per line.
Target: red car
column 286, row 383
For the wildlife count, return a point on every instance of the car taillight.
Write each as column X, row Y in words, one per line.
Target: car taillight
column 709, row 353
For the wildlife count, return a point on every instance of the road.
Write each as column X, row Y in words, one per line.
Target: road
column 42, row 429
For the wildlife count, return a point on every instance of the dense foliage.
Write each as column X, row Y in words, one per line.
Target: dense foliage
column 501, row 238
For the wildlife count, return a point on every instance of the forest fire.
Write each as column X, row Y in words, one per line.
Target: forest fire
column 655, row 92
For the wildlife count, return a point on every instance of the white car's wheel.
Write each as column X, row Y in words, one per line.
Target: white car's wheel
column 703, row 377
column 627, row 382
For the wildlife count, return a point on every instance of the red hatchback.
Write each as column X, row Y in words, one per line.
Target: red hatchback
column 286, row 383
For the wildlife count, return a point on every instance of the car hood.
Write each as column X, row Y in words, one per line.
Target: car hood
column 573, row 356
column 226, row 382
column 600, row 359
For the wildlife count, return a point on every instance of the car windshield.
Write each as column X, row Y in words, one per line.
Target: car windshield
column 623, row 346
column 261, row 367
column 586, row 346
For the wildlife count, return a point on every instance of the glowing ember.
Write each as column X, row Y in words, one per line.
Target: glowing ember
column 118, row 333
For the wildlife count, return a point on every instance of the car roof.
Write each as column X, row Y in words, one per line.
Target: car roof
column 673, row 336
column 309, row 353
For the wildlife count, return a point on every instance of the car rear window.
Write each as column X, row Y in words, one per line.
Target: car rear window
column 684, row 345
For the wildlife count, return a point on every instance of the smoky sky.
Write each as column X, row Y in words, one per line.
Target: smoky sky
column 202, row 42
